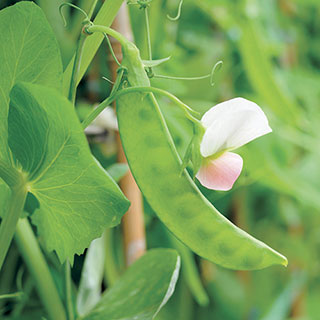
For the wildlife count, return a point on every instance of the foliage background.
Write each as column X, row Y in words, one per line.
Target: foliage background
column 271, row 55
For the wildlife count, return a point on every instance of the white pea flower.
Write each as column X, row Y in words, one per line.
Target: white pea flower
column 228, row 126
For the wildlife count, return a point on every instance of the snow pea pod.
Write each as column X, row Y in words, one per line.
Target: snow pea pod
column 156, row 167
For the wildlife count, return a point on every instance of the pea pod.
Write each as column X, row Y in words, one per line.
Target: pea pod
column 156, row 167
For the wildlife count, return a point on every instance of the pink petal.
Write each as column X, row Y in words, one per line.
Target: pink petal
column 221, row 173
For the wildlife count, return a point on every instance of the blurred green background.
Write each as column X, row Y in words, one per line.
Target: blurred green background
column 271, row 55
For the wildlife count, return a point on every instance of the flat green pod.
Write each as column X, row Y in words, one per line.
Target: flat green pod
column 156, row 166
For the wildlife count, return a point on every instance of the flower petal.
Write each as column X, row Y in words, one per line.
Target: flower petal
column 231, row 124
column 221, row 173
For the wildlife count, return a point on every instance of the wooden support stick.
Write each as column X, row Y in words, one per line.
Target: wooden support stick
column 132, row 222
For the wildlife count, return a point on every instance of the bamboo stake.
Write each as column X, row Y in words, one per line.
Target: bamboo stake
column 132, row 222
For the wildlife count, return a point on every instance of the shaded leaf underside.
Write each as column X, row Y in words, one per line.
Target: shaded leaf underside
column 29, row 52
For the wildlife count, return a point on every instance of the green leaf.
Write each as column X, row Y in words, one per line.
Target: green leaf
column 89, row 292
column 143, row 290
column 154, row 63
column 29, row 52
column 77, row 197
column 280, row 309
column 257, row 62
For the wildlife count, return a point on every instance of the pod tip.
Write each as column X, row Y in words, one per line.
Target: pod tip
column 285, row 262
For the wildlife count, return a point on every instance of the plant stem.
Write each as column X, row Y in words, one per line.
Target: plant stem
column 34, row 259
column 15, row 295
column 169, row 95
column 105, row 16
column 97, row 28
column 148, row 33
column 87, row 6
column 8, row 273
column 111, row 50
column 9, row 174
column 68, row 291
column 117, row 83
column 76, row 69
column 86, row 122
column 77, row 61
column 161, row 76
column 27, row 290
column 104, row 104
column 9, row 222
column 122, row 92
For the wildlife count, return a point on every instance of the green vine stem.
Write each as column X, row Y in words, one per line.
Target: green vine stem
column 7, row 274
column 33, row 257
column 97, row 28
column 76, row 69
column 87, row 6
column 118, row 94
column 105, row 16
column 19, row 305
column 146, row 14
column 15, row 207
column 79, row 49
column 68, row 283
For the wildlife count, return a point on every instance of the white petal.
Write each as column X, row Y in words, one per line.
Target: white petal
column 221, row 173
column 231, row 124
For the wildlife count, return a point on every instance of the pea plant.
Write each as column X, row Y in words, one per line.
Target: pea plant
column 56, row 198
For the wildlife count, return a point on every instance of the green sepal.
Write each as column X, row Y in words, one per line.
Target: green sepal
column 196, row 157
column 187, row 157
column 193, row 153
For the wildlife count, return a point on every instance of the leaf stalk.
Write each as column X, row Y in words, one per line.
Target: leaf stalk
column 37, row 265
column 13, row 213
